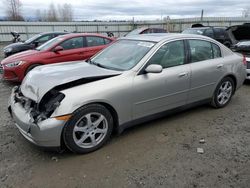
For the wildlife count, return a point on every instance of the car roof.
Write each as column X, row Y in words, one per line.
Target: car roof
column 54, row 32
column 70, row 35
column 207, row 27
column 157, row 37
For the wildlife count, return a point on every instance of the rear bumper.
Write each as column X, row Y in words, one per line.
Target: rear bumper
column 46, row 133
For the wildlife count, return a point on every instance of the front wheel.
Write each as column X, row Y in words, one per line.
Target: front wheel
column 223, row 93
column 89, row 129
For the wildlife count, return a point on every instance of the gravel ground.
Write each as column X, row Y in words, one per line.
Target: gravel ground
column 161, row 153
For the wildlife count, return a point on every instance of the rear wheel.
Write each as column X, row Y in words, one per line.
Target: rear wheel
column 223, row 93
column 89, row 129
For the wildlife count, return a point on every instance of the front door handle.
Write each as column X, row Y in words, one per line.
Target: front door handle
column 220, row 66
column 183, row 74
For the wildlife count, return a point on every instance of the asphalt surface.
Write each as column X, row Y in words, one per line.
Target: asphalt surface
column 161, row 153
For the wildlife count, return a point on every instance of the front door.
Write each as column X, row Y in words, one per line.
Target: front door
column 73, row 50
column 157, row 92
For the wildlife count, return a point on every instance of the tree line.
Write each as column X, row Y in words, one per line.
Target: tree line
column 51, row 14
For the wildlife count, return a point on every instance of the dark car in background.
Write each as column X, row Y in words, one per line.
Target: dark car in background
column 218, row 33
column 70, row 47
column 31, row 43
column 145, row 30
column 240, row 35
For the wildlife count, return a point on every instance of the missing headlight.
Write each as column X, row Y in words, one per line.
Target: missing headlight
column 48, row 104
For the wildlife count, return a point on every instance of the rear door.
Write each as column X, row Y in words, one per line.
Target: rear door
column 207, row 67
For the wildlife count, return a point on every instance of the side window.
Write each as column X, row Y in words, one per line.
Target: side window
column 72, row 43
column 43, row 39
column 95, row 41
column 107, row 41
column 209, row 32
column 216, row 50
column 146, row 31
column 219, row 33
column 200, row 50
column 169, row 55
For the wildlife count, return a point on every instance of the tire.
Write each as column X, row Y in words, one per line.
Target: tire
column 223, row 93
column 89, row 128
column 30, row 68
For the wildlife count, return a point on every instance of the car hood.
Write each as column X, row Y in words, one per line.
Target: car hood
column 20, row 56
column 239, row 33
column 14, row 45
column 44, row 78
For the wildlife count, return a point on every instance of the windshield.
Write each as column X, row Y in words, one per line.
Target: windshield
column 32, row 38
column 194, row 31
column 123, row 55
column 49, row 44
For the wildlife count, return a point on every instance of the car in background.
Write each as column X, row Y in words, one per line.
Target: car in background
column 145, row 30
column 70, row 47
column 31, row 43
column 218, row 33
column 240, row 35
column 136, row 79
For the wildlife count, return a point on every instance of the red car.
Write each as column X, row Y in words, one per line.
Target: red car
column 70, row 47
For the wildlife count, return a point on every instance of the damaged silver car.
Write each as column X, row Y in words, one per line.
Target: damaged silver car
column 137, row 78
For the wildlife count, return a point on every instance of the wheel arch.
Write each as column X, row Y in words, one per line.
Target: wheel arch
column 32, row 65
column 233, row 77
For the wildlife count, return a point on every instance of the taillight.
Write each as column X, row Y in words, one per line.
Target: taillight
column 244, row 60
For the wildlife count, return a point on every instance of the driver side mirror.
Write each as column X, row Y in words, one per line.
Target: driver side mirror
column 154, row 68
column 57, row 49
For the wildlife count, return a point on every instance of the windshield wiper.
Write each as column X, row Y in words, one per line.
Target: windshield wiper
column 101, row 65
column 95, row 63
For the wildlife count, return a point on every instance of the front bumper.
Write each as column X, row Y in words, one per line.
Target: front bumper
column 46, row 133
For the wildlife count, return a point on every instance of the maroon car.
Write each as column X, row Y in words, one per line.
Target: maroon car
column 70, row 47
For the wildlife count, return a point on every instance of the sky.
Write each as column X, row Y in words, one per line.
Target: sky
column 139, row 9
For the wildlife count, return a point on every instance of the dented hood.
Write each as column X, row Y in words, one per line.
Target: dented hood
column 43, row 78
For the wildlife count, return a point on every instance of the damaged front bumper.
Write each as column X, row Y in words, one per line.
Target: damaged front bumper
column 44, row 133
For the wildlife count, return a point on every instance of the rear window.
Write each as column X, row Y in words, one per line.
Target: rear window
column 200, row 50
column 216, row 51
column 203, row 50
column 95, row 41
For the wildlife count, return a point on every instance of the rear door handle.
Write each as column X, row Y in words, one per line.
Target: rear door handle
column 183, row 74
column 220, row 66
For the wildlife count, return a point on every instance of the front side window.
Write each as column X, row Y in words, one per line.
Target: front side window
column 72, row 43
column 43, row 39
column 200, row 50
column 169, row 55
column 95, row 41
column 49, row 44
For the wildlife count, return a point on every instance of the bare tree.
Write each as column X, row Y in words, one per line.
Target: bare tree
column 13, row 10
column 51, row 14
column 65, row 12
column 246, row 12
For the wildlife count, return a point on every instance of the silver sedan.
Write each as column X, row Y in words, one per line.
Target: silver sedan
column 135, row 79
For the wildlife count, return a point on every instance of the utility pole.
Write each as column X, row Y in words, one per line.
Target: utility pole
column 202, row 12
